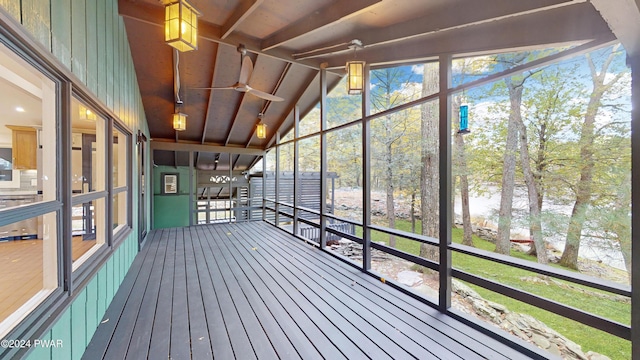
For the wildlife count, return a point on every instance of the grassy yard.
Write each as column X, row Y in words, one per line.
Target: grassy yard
column 575, row 296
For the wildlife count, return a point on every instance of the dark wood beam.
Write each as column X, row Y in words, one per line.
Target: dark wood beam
column 308, row 81
column 216, row 66
column 154, row 15
column 569, row 24
column 245, row 9
column 324, row 17
column 447, row 18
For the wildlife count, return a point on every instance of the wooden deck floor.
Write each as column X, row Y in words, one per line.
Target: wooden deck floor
column 251, row 291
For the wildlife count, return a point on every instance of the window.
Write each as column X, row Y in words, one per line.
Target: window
column 120, row 155
column 88, row 181
column 29, row 255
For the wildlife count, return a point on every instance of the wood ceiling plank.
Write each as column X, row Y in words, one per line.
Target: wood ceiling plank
column 570, row 24
column 623, row 17
column 246, row 8
column 331, row 14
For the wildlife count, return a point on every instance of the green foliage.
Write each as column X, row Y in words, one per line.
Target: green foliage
column 575, row 296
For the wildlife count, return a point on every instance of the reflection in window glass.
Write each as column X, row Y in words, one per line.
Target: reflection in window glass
column 88, row 229
column 119, row 210
column 28, row 264
column 119, row 159
column 27, row 159
column 88, row 150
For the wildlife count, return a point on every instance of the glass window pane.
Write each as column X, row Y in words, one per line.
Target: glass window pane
column 344, row 173
column 342, row 108
column 394, row 86
column 119, row 158
column 28, row 264
column 404, row 170
column 88, row 229
column 27, row 134
column 88, row 149
column 119, row 210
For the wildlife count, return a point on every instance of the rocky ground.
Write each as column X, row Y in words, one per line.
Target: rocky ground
column 468, row 301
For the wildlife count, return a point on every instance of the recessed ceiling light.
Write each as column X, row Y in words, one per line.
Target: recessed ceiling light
column 19, row 109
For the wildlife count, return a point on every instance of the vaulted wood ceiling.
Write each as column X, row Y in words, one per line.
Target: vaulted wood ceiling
column 290, row 40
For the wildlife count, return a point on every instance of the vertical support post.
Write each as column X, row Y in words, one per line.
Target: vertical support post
column 366, row 172
column 296, row 180
column 109, row 182
column 151, row 191
column 264, row 186
column 231, row 207
column 277, row 189
column 444, row 129
column 64, row 234
column 634, row 61
column 192, row 192
column 323, row 158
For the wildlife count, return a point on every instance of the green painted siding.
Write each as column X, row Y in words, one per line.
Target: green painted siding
column 79, row 40
column 61, row 30
column 171, row 210
column 89, row 39
column 12, row 7
column 36, row 18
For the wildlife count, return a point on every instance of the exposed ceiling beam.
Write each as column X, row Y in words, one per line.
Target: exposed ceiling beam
column 266, row 106
column 569, row 24
column 160, row 144
column 254, row 162
column 623, row 17
column 236, row 116
column 446, row 19
column 216, row 66
column 301, row 90
column 245, row 9
column 154, row 15
column 324, row 17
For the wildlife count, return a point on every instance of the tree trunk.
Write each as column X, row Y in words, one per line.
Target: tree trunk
column 535, row 223
column 391, row 209
column 503, row 243
column 461, row 163
column 413, row 212
column 429, row 175
column 584, row 188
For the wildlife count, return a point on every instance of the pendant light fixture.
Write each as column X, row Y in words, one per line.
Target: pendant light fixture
column 181, row 25
column 355, row 71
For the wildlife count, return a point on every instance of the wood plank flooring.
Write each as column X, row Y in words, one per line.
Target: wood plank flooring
column 21, row 270
column 252, row 291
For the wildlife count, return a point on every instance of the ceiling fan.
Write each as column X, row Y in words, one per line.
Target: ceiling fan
column 243, row 79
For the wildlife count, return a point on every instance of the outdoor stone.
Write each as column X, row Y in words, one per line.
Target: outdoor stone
column 410, row 278
column 595, row 356
column 486, row 311
column 498, row 307
column 540, row 341
column 427, row 291
column 553, row 349
column 576, row 349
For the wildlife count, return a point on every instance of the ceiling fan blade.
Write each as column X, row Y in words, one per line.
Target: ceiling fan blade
column 246, row 70
column 264, row 95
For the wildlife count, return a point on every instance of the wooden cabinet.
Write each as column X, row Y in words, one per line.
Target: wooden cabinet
column 25, row 147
